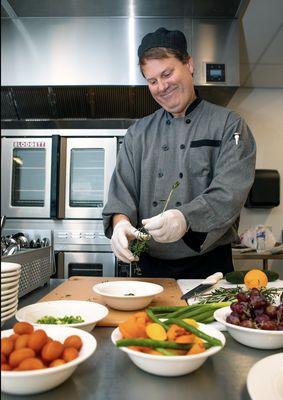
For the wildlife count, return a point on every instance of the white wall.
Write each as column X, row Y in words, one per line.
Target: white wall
column 263, row 111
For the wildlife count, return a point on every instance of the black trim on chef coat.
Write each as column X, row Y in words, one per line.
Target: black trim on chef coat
column 197, row 267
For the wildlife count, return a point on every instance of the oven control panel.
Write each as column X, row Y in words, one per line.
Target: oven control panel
column 80, row 237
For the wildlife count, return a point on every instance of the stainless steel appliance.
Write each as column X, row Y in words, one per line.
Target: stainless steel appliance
column 86, row 167
column 56, row 176
column 84, row 252
column 28, row 177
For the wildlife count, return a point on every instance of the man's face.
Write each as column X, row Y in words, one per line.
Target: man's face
column 171, row 84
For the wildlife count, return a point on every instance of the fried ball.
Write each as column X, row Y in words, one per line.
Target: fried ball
column 37, row 340
column 22, row 328
column 57, row 362
column 73, row 341
column 21, row 341
column 51, row 351
column 7, row 345
column 17, row 356
column 69, row 354
column 31, row 364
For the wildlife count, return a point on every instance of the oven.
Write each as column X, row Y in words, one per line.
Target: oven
column 56, row 177
column 28, row 183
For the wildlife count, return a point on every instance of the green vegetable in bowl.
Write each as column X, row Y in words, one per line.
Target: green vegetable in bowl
column 67, row 319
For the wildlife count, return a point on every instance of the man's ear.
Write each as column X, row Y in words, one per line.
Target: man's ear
column 190, row 64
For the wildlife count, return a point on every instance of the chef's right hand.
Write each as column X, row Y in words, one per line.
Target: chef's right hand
column 123, row 233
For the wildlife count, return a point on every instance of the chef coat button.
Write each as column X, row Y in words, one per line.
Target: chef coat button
column 168, row 122
column 154, row 203
column 165, row 147
column 181, row 175
column 160, row 174
column 178, row 204
column 182, row 146
column 188, row 121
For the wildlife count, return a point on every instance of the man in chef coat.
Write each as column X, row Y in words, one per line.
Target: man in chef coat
column 208, row 149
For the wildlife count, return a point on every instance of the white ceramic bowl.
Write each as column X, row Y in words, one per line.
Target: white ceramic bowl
column 90, row 312
column 10, row 312
column 127, row 295
column 31, row 382
column 257, row 338
column 9, row 286
column 9, row 267
column 5, row 302
column 171, row 365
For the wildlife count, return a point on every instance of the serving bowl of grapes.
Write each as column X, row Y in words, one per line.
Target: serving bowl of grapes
column 253, row 320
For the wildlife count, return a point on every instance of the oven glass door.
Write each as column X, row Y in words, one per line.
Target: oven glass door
column 89, row 264
column 26, row 177
column 90, row 164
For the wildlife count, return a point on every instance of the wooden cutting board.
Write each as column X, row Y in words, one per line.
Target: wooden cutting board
column 80, row 288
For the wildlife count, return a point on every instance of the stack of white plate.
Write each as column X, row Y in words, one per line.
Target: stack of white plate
column 10, row 280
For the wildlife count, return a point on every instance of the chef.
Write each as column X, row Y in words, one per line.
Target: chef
column 208, row 149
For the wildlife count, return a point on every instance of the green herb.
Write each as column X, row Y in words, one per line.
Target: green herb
column 229, row 294
column 67, row 319
column 129, row 294
column 141, row 244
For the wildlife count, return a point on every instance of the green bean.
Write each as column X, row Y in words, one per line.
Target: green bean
column 208, row 320
column 211, row 340
column 164, row 309
column 152, row 343
column 164, row 352
column 155, row 319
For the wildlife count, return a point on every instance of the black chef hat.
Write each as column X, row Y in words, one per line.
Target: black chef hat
column 163, row 38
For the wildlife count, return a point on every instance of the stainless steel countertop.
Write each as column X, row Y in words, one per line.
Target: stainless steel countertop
column 110, row 375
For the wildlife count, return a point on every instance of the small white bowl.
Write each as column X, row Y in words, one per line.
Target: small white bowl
column 90, row 312
column 9, row 267
column 127, row 295
column 31, row 382
column 171, row 365
column 256, row 338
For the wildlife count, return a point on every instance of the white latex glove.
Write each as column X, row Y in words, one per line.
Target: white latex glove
column 167, row 227
column 123, row 233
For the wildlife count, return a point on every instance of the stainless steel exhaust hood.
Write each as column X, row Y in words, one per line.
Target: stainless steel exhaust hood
column 79, row 67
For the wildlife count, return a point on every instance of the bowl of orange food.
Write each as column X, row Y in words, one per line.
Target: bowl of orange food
column 167, row 348
column 36, row 360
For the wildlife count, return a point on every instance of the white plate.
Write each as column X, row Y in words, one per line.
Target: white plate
column 12, row 311
column 10, row 279
column 8, row 267
column 5, row 307
column 8, row 274
column 8, row 286
column 5, row 302
column 9, row 291
column 265, row 378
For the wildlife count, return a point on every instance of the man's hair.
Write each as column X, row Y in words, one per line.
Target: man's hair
column 157, row 53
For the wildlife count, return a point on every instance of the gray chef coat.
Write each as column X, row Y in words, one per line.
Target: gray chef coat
column 200, row 151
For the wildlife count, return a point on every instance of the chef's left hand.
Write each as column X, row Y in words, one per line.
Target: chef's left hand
column 167, row 227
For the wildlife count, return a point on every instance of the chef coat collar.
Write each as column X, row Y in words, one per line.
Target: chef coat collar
column 191, row 107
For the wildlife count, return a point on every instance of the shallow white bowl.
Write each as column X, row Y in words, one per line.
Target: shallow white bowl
column 127, row 295
column 9, row 267
column 171, row 365
column 257, row 338
column 31, row 382
column 90, row 312
column 12, row 304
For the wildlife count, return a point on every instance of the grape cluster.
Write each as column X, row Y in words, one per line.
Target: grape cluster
column 252, row 310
